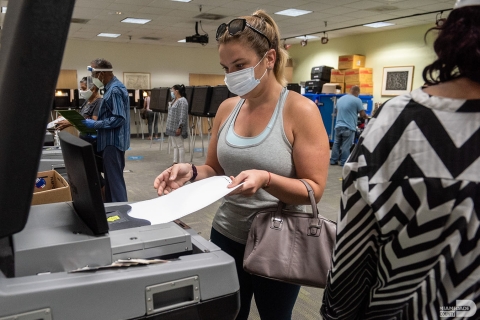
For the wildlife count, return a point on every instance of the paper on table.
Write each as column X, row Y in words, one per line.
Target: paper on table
column 183, row 201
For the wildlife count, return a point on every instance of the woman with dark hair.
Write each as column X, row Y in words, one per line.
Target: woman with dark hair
column 177, row 121
column 266, row 138
column 408, row 237
column 151, row 116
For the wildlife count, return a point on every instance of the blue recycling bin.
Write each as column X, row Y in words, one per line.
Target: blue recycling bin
column 326, row 105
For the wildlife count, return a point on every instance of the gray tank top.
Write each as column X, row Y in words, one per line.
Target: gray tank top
column 270, row 151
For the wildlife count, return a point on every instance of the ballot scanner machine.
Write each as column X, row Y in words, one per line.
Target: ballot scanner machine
column 41, row 245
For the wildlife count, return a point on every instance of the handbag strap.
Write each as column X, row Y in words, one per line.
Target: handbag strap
column 311, row 196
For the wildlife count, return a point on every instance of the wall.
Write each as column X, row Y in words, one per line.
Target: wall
column 167, row 65
column 171, row 65
column 399, row 47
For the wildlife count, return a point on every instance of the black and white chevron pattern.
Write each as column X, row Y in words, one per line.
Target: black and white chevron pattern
column 408, row 233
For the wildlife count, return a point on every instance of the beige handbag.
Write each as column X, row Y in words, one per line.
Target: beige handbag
column 293, row 247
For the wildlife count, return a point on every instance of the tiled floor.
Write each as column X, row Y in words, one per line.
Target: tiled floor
column 148, row 161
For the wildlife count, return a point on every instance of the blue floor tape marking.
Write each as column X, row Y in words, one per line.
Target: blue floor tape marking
column 135, row 158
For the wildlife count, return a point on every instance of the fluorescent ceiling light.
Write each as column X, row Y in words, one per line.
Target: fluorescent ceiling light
column 182, row 0
column 135, row 20
column 293, row 12
column 4, row 9
column 109, row 35
column 183, row 40
column 307, row 37
column 378, row 24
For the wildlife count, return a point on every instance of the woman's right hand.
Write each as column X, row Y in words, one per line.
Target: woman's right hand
column 173, row 178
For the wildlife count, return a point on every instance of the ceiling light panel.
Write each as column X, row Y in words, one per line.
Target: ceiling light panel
column 378, row 24
column 109, row 35
column 293, row 12
column 307, row 37
column 136, row 20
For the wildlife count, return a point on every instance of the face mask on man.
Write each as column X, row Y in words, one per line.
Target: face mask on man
column 96, row 81
column 243, row 81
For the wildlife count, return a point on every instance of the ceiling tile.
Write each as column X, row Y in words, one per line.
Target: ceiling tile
column 139, row 3
column 123, row 7
column 362, row 5
column 339, row 10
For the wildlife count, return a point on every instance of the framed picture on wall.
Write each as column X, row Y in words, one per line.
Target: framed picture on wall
column 397, row 80
column 136, row 80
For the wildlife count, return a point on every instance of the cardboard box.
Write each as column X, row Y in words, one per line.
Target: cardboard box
column 337, row 76
column 366, row 88
column 351, row 61
column 360, row 75
column 332, row 88
column 50, row 187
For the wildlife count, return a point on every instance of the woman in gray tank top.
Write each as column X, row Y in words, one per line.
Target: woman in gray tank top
column 266, row 138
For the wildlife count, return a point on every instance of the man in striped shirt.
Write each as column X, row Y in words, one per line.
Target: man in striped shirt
column 113, row 128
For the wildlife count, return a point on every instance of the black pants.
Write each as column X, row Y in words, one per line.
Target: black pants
column 274, row 299
column 113, row 165
column 150, row 116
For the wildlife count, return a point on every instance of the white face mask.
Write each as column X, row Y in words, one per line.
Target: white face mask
column 243, row 81
column 86, row 94
column 172, row 95
column 97, row 83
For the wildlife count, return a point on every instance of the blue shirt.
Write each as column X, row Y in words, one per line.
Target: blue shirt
column 348, row 108
column 113, row 124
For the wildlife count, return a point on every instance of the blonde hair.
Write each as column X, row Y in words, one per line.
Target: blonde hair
column 261, row 21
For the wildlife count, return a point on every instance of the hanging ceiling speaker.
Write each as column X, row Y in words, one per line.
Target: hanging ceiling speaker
column 439, row 21
column 324, row 39
column 286, row 46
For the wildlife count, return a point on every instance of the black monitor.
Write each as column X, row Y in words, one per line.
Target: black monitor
column 201, row 100
column 159, row 99
column 219, row 94
column 32, row 46
column 84, row 181
column 131, row 98
column 77, row 102
column 62, row 100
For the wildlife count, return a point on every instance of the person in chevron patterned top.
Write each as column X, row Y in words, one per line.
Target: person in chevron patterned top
column 408, row 237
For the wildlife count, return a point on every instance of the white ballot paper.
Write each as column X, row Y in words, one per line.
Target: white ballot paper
column 183, row 201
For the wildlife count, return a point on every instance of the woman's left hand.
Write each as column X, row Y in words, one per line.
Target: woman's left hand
column 252, row 181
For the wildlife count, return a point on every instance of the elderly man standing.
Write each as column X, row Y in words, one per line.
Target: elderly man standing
column 348, row 107
column 113, row 128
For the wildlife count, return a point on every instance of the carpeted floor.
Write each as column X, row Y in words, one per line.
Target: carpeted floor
column 145, row 160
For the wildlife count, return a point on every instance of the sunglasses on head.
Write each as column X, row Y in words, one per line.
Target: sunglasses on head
column 238, row 25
